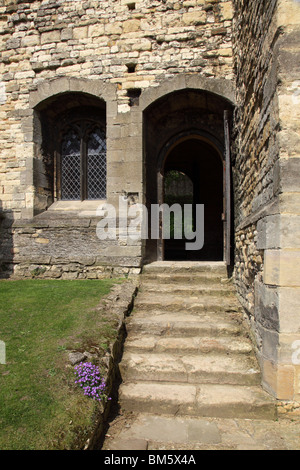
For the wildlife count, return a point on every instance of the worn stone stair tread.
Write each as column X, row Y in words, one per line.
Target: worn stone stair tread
column 174, row 324
column 185, row 282
column 217, row 267
column 166, row 297
column 190, row 328
column 206, row 400
column 195, row 279
column 183, row 289
column 215, row 368
column 180, row 313
column 168, row 301
column 191, row 344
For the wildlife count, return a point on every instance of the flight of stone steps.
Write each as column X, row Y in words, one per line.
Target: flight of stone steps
column 187, row 352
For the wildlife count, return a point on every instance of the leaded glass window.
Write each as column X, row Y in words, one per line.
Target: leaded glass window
column 83, row 162
column 70, row 166
column 96, row 165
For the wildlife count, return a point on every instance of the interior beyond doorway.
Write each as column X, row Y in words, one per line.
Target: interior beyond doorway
column 193, row 174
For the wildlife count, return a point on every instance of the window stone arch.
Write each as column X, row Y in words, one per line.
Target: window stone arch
column 52, row 103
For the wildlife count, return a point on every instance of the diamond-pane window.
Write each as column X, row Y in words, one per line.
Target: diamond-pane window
column 83, row 163
column 70, row 166
column 96, row 165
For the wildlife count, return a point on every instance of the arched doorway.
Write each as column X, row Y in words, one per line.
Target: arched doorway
column 185, row 132
column 197, row 170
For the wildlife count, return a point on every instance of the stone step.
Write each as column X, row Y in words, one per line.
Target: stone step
column 186, row 289
column 158, row 432
column 189, row 345
column 177, row 324
column 205, row 400
column 169, row 302
column 195, row 279
column 186, row 267
column 186, row 351
column 200, row 368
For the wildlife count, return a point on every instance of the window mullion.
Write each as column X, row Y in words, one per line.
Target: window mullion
column 83, row 153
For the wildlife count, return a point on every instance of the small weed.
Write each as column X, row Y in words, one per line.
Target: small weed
column 89, row 379
column 38, row 271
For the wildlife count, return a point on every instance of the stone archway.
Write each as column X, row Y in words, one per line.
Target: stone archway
column 187, row 121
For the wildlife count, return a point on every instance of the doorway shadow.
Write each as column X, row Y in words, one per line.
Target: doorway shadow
column 199, row 162
column 6, row 243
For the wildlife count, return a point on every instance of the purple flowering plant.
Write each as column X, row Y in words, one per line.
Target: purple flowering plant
column 89, row 379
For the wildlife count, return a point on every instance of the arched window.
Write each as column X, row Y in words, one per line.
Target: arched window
column 82, row 162
column 70, row 166
column 96, row 165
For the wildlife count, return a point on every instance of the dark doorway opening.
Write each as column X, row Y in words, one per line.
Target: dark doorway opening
column 193, row 174
column 184, row 131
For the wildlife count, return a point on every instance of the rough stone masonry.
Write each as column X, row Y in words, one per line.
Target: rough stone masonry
column 156, row 78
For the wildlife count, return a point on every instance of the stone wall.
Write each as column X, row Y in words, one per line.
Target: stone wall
column 266, row 175
column 131, row 45
column 114, row 51
column 68, row 248
column 256, row 124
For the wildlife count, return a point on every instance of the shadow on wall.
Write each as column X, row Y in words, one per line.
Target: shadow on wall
column 6, row 243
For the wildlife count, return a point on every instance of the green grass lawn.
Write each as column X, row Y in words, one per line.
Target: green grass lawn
column 40, row 320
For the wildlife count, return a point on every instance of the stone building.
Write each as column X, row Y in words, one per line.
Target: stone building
column 100, row 99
